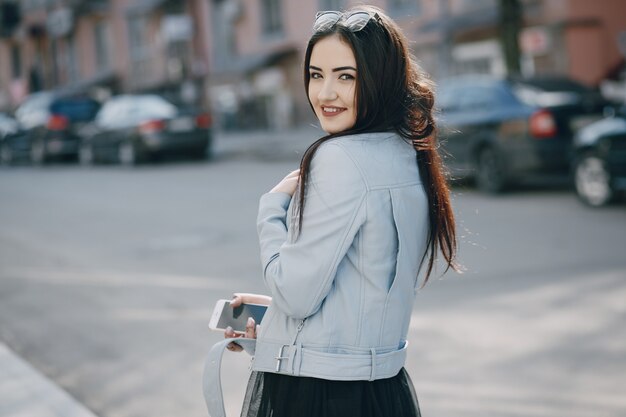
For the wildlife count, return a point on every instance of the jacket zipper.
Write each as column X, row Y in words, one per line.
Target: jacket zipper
column 281, row 352
column 298, row 329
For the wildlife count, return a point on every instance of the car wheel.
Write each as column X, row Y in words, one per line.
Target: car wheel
column 85, row 155
column 38, row 152
column 6, row 155
column 490, row 176
column 127, row 154
column 592, row 180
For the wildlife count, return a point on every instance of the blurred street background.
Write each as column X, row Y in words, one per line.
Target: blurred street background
column 136, row 138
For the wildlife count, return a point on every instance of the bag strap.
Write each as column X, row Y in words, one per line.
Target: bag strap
column 211, row 377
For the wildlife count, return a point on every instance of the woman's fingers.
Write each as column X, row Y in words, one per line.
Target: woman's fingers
column 250, row 329
column 229, row 333
column 234, row 347
column 249, row 298
column 288, row 184
column 237, row 300
column 251, row 332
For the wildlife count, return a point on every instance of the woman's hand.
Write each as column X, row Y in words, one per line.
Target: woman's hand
column 251, row 331
column 288, row 184
column 240, row 298
column 251, row 327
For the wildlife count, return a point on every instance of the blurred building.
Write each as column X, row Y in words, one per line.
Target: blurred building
column 103, row 47
column 258, row 50
column 258, row 46
column 578, row 38
column 244, row 57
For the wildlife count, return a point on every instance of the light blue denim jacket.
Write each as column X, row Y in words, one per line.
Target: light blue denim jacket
column 343, row 289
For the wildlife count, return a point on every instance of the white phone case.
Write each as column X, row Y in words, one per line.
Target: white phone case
column 217, row 312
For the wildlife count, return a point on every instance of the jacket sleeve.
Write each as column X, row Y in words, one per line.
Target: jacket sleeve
column 300, row 272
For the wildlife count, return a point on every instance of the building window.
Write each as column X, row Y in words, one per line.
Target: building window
column 136, row 33
column 404, row 6
column 477, row 5
column 139, row 47
column 56, row 71
column 401, row 4
column 34, row 4
column 16, row 61
column 272, row 16
column 331, row 5
column 101, row 39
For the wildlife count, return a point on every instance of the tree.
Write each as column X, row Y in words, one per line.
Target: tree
column 510, row 27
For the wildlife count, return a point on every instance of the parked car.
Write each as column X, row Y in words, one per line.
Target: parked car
column 599, row 162
column 13, row 142
column 501, row 130
column 130, row 129
column 51, row 122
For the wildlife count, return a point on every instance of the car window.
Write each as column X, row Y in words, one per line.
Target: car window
column 7, row 125
column 76, row 109
column 126, row 111
column 469, row 95
column 476, row 98
column 105, row 113
column 550, row 92
column 152, row 107
column 555, row 84
column 114, row 114
column 34, row 111
column 36, row 101
column 447, row 98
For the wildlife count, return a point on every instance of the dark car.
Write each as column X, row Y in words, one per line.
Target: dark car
column 599, row 162
column 130, row 129
column 13, row 142
column 52, row 121
column 502, row 130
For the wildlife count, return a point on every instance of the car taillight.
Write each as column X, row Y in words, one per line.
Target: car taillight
column 152, row 126
column 57, row 122
column 542, row 124
column 203, row 121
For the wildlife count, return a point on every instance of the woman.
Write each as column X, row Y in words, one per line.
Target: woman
column 344, row 237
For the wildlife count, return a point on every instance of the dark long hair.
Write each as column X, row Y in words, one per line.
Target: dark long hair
column 392, row 94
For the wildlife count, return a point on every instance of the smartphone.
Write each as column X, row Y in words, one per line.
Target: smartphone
column 224, row 315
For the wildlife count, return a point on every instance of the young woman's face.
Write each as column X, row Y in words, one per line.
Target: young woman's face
column 332, row 85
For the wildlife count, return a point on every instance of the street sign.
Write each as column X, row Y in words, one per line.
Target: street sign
column 535, row 41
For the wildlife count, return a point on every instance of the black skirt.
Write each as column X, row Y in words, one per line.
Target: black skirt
column 275, row 395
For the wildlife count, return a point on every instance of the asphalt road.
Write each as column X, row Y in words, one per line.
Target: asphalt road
column 108, row 277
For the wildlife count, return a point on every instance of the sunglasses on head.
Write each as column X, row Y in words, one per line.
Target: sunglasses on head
column 355, row 21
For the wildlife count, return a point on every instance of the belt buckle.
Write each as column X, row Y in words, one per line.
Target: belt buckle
column 280, row 357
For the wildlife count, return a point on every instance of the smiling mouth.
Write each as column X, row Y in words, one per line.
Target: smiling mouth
column 330, row 111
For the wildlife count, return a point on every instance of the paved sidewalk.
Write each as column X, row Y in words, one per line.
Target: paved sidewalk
column 24, row 392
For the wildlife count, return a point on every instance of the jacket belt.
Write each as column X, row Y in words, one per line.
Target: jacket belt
column 298, row 361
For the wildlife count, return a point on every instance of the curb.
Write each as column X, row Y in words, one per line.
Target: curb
column 24, row 391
